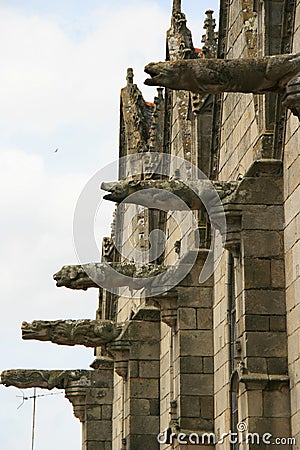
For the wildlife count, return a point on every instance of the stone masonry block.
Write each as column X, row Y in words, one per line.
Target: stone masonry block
column 259, row 301
column 204, row 319
column 187, row 318
column 262, row 243
column 148, row 426
column 257, row 273
column 191, row 364
column 146, row 388
column 98, row 429
column 149, row 369
column 196, row 343
column 276, row 403
column 271, row 344
column 196, row 384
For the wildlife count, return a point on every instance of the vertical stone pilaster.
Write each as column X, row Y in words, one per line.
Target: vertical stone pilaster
column 261, row 385
column 193, row 358
column 136, row 354
column 188, row 311
column 93, row 406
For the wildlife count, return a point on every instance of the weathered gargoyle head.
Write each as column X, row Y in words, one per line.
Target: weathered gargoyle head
column 79, row 276
column 119, row 190
column 67, row 275
column 38, row 329
column 162, row 74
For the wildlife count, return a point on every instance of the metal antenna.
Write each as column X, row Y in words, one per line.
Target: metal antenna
column 33, row 418
column 34, row 396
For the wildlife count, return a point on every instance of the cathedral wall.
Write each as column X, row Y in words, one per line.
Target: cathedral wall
column 239, row 130
column 292, row 250
column 221, row 351
column 239, row 133
column 173, row 233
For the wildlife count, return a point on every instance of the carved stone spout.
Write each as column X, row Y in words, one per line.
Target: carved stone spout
column 44, row 379
column 168, row 195
column 94, row 275
column 213, row 76
column 90, row 333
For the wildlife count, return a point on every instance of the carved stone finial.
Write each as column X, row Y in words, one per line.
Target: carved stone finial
column 160, row 93
column 176, row 6
column 210, row 38
column 179, row 38
column 90, row 333
column 130, row 76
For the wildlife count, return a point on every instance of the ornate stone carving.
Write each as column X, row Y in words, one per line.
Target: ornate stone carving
column 75, row 277
column 155, row 142
column 161, row 199
column 168, row 304
column 44, row 379
column 114, row 274
column 211, row 37
column 90, row 333
column 135, row 126
column 292, row 97
column 214, row 76
column 108, row 249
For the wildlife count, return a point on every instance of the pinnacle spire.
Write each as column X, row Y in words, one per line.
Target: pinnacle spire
column 130, row 76
column 210, row 38
column 176, row 6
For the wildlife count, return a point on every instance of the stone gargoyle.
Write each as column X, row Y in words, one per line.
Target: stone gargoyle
column 94, row 275
column 90, row 333
column 213, row 76
column 169, row 194
column 173, row 194
column 44, row 379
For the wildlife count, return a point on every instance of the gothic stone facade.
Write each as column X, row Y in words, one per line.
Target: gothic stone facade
column 199, row 358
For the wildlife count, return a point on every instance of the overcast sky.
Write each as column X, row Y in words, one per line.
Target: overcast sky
column 63, row 64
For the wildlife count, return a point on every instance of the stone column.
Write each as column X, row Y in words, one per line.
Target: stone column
column 255, row 238
column 93, row 406
column 136, row 354
column 188, row 311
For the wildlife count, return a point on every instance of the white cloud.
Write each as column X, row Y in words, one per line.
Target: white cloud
column 36, row 231
column 49, row 80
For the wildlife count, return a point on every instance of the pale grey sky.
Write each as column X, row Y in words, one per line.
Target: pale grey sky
column 63, row 65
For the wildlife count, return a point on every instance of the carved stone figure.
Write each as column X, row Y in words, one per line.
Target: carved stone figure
column 115, row 275
column 90, row 333
column 167, row 195
column 213, row 76
column 292, row 96
column 44, row 379
column 75, row 277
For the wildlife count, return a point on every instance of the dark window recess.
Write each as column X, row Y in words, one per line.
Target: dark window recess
column 234, row 385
